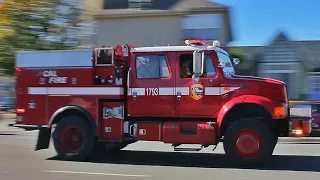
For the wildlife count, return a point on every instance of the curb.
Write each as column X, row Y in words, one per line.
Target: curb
column 298, row 140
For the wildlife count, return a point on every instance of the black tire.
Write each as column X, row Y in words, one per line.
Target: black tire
column 255, row 128
column 85, row 133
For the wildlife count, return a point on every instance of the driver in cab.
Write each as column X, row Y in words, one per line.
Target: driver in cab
column 185, row 70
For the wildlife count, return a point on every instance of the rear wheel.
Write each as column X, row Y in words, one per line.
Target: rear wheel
column 73, row 139
column 248, row 142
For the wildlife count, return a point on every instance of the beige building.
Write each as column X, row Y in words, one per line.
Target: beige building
column 154, row 22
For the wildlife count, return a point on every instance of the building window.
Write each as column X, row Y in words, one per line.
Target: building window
column 314, row 83
column 115, row 4
column 146, row 4
column 152, row 66
column 186, row 66
column 204, row 27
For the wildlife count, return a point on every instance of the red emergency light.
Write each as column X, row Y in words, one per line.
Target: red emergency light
column 195, row 42
column 18, row 70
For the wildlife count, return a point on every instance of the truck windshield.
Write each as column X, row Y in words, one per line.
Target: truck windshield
column 228, row 70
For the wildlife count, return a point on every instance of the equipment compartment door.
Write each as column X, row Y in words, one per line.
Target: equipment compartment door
column 201, row 99
column 151, row 82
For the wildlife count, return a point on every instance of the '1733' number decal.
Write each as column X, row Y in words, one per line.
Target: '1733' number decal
column 152, row 91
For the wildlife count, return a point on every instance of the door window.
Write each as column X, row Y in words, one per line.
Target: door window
column 186, row 66
column 152, row 66
column 228, row 70
column 104, row 57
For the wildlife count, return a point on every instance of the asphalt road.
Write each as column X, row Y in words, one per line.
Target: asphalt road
column 294, row 160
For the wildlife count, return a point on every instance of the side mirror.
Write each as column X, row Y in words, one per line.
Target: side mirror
column 235, row 61
column 198, row 61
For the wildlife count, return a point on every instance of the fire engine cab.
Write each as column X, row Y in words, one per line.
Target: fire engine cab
column 110, row 97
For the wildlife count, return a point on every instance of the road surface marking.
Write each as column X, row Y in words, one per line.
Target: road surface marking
column 29, row 146
column 29, row 138
column 93, row 173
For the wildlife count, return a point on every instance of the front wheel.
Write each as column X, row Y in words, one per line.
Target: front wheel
column 248, row 142
column 73, row 139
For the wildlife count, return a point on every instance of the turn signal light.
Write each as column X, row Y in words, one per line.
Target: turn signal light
column 226, row 88
column 279, row 112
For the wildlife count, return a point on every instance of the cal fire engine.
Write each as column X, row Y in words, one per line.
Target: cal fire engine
column 179, row 95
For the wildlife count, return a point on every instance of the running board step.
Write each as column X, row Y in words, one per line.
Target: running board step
column 187, row 149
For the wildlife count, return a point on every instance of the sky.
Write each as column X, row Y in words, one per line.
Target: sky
column 257, row 22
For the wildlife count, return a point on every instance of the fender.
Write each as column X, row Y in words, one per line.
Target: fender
column 45, row 132
column 77, row 108
column 263, row 101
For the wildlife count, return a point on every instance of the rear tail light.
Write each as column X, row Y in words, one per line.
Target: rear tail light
column 20, row 110
column 17, row 71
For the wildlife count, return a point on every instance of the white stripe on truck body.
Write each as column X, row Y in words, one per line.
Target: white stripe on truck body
column 167, row 91
column 161, row 91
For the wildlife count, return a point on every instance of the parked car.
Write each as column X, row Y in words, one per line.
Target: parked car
column 315, row 105
column 7, row 103
column 316, row 115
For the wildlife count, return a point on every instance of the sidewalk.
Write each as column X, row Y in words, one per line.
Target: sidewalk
column 7, row 115
column 4, row 125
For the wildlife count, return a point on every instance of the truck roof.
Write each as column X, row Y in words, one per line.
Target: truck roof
column 82, row 57
column 176, row 48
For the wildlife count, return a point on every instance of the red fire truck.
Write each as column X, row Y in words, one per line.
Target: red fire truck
column 113, row 96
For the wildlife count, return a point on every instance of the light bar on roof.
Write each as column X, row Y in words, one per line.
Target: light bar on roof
column 194, row 42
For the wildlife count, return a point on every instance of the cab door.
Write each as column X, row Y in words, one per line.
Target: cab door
column 151, row 82
column 189, row 101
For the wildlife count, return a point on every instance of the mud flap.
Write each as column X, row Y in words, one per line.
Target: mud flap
column 43, row 138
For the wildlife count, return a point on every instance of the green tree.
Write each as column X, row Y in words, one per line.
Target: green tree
column 37, row 25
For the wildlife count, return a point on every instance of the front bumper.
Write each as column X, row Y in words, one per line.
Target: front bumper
column 300, row 120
